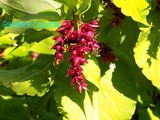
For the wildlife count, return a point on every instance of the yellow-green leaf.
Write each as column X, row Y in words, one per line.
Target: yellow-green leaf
column 147, row 52
column 111, row 96
column 137, row 9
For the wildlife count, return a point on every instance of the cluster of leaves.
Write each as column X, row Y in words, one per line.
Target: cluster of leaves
column 31, row 87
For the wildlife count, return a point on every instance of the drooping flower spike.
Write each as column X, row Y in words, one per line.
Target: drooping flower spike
column 78, row 43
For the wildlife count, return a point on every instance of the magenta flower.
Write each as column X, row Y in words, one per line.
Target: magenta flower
column 78, row 43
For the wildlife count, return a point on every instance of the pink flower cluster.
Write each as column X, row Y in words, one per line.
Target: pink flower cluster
column 78, row 43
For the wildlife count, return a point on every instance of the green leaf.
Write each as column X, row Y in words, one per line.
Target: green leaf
column 20, row 8
column 6, row 91
column 111, row 85
column 64, row 92
column 44, row 46
column 147, row 51
column 93, row 11
column 31, row 79
column 69, row 3
column 32, row 35
column 147, row 114
column 122, row 39
column 48, row 116
column 18, row 51
column 144, row 84
column 47, row 15
column 8, row 39
column 84, row 5
column 137, row 9
column 111, row 96
column 13, row 108
column 11, row 52
column 144, row 99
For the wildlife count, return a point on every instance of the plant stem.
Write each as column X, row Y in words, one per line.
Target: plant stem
column 29, row 105
column 73, row 16
column 80, row 18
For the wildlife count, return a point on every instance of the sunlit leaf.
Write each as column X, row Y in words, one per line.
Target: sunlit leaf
column 109, row 96
column 44, row 46
column 147, row 52
column 31, row 79
column 84, row 5
column 18, row 51
column 69, row 3
column 7, row 39
column 137, row 9
column 20, row 8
